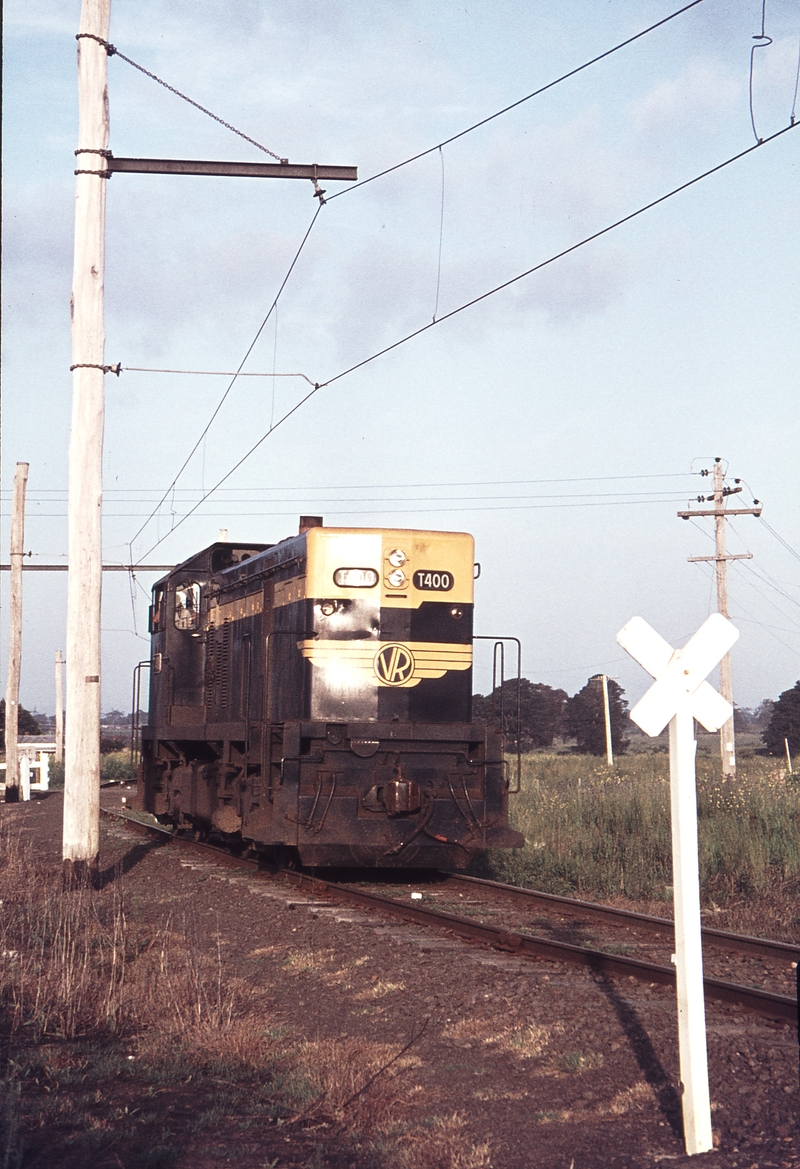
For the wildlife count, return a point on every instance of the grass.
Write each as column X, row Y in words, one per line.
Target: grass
column 128, row 1042
column 602, row 833
column 116, row 765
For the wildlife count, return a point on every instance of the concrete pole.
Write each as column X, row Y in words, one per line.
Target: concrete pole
column 727, row 740
column 81, row 836
column 688, row 956
column 59, row 708
column 15, row 634
column 607, row 716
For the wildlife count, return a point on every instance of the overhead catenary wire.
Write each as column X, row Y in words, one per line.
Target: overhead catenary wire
column 461, row 308
column 441, row 236
column 571, row 73
column 513, row 105
column 250, row 348
column 765, row 41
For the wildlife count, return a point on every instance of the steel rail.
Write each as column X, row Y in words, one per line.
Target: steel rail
column 741, row 942
column 772, row 1006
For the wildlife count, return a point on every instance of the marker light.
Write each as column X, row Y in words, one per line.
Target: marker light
column 397, row 558
column 397, row 578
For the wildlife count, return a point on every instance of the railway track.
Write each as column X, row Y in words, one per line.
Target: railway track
column 413, row 904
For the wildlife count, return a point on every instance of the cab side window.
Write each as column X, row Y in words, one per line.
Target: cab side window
column 157, row 611
column 187, row 607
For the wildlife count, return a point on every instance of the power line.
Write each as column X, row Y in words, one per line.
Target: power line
column 755, row 620
column 780, row 539
column 397, row 499
column 770, row 584
column 391, row 506
column 379, row 486
column 521, row 101
column 469, row 304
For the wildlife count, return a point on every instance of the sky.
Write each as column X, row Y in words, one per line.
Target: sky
column 563, row 421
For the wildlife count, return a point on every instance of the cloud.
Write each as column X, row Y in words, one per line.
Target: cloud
column 702, row 91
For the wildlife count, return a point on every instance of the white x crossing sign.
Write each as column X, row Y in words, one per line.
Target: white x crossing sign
column 680, row 674
column 679, row 694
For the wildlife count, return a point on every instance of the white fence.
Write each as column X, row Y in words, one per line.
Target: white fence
column 33, row 757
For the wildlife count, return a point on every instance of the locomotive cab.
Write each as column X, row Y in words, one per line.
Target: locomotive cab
column 316, row 695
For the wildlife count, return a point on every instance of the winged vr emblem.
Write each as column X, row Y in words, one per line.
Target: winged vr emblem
column 394, row 664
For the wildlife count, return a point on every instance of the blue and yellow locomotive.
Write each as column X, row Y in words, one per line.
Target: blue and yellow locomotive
column 313, row 698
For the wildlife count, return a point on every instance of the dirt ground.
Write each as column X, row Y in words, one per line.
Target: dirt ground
column 520, row 1064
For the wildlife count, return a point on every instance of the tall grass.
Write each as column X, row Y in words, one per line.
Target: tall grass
column 100, row 1008
column 599, row 832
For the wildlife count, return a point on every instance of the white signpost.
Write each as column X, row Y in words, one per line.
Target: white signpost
column 680, row 694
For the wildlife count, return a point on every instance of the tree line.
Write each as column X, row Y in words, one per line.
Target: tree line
column 548, row 714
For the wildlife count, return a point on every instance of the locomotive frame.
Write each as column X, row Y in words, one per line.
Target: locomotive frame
column 313, row 698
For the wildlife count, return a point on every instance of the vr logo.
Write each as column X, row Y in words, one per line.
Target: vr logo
column 394, row 664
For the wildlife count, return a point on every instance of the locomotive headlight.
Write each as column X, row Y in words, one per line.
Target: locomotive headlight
column 397, row 578
column 397, row 558
column 327, row 608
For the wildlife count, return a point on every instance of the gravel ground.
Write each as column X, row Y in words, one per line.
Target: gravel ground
column 548, row 1066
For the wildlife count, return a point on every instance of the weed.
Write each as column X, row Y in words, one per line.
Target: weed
column 598, row 832
column 580, row 1061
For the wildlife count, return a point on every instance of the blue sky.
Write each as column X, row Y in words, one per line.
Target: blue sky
column 558, row 421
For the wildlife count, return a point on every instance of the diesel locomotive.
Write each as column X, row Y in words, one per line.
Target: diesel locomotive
column 312, row 698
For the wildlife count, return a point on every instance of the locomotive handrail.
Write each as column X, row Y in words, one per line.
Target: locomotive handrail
column 499, row 645
column 136, row 696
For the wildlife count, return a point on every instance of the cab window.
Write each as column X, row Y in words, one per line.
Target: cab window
column 157, row 610
column 187, row 607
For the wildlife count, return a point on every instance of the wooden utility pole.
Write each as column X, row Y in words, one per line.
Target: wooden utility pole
column 727, row 738
column 59, row 708
column 95, row 165
column 15, row 633
column 81, row 835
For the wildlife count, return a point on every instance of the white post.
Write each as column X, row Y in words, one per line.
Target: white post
column 24, row 777
column 788, row 755
column 44, row 771
column 607, row 715
column 688, row 956
column 59, row 709
column 679, row 695
column 15, row 632
column 81, row 836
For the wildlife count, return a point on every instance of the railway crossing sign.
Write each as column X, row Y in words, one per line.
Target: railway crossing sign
column 679, row 695
column 680, row 675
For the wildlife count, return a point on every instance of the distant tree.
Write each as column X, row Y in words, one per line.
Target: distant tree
column 762, row 714
column 784, row 723
column 752, row 721
column 26, row 723
column 115, row 718
column 586, row 717
column 542, row 711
